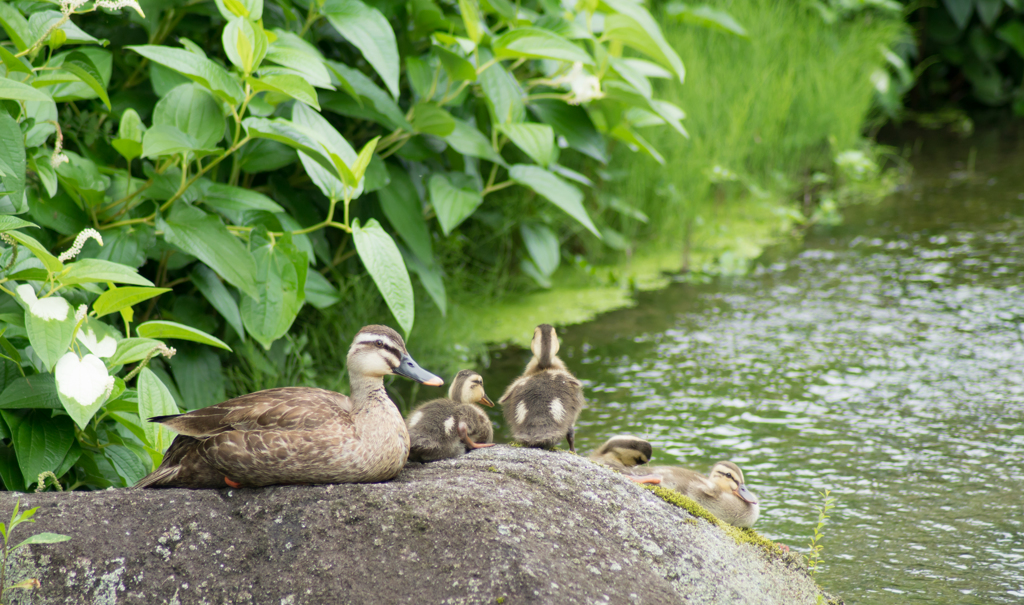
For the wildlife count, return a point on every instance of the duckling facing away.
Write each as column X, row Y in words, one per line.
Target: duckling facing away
column 723, row 493
column 446, row 428
column 625, row 453
column 299, row 434
column 542, row 405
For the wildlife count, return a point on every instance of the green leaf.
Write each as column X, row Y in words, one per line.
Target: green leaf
column 281, row 281
column 369, row 31
column 205, row 237
column 115, row 300
column 12, row 89
column 542, row 244
column 527, row 267
column 633, row 26
column 198, row 69
column 35, row 391
column 573, row 123
column 43, row 538
column 13, row 63
column 16, row 26
column 536, row 43
column 51, row 262
column 128, row 149
column 50, row 339
column 9, row 470
column 452, row 205
column 192, row 110
column 94, row 270
column 131, row 350
column 470, row 10
column 287, row 84
column 155, row 400
column 228, row 197
column 244, row 44
column 253, row 9
column 369, row 102
column 128, row 466
column 384, row 263
column 329, row 141
column 1012, row 32
column 170, row 329
column 319, row 292
column 621, row 91
column 503, row 93
column 551, row 187
column 536, row 141
column 82, row 66
column 467, row 140
column 960, row 11
column 165, row 140
column 12, row 154
column 296, row 54
column 199, row 376
column 293, row 135
column 429, row 118
column 430, row 277
column 457, row 67
column 403, row 209
column 709, row 17
column 41, row 441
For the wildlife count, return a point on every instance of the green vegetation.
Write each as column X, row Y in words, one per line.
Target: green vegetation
column 17, row 518
column 815, row 546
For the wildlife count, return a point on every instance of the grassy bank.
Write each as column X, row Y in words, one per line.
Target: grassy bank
column 767, row 117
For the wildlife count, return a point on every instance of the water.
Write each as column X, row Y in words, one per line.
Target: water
column 883, row 360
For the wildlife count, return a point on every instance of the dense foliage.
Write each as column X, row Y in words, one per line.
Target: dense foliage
column 199, row 170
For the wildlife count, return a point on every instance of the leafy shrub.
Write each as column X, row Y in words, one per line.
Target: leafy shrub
column 198, row 171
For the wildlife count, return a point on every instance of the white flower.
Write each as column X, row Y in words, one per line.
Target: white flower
column 47, row 309
column 119, row 4
column 80, row 313
column 583, row 86
column 69, row 6
column 57, row 159
column 103, row 347
column 84, row 381
column 75, row 248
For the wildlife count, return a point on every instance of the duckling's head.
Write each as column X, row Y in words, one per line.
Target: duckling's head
column 626, row 450
column 729, row 478
column 378, row 351
column 544, row 345
column 468, row 387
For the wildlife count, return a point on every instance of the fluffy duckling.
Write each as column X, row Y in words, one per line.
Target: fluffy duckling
column 542, row 405
column 446, row 428
column 625, row 453
column 723, row 493
column 299, row 434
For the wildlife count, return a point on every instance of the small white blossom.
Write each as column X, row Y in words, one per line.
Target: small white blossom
column 583, row 86
column 80, row 313
column 47, row 309
column 69, row 6
column 8, row 239
column 79, row 242
column 103, row 347
column 84, row 381
column 119, row 4
column 57, row 158
column 167, row 351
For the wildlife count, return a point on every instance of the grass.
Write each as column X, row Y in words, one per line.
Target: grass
column 764, row 115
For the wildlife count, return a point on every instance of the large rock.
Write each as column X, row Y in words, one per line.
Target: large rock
column 502, row 525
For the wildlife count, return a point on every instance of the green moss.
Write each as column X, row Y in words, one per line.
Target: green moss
column 741, row 535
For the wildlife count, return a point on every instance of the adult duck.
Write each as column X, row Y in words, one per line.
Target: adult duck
column 299, row 434
column 446, row 428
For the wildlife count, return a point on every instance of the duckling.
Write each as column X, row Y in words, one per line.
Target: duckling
column 542, row 405
column 299, row 434
column 446, row 428
column 723, row 493
column 625, row 453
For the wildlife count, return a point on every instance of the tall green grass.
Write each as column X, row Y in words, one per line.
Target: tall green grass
column 771, row 109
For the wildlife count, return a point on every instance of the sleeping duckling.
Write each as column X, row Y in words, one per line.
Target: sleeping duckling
column 446, row 428
column 542, row 405
column 625, row 453
column 724, row 493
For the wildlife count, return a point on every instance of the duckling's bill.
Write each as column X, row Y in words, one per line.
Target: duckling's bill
column 410, row 369
column 744, row 494
column 486, row 401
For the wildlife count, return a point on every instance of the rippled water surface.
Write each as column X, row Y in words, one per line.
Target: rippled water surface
column 883, row 360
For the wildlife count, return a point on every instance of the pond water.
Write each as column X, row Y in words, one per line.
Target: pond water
column 882, row 360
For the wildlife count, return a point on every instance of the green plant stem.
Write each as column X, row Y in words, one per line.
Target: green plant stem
column 492, row 188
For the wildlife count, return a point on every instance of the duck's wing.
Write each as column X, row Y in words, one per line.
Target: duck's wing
column 288, row 408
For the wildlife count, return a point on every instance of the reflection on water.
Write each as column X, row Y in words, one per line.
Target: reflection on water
column 884, row 361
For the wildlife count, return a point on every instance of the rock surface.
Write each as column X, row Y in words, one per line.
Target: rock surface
column 501, row 525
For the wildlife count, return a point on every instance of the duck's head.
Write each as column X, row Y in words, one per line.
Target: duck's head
column 378, row 351
column 626, row 450
column 729, row 478
column 468, row 387
column 544, row 344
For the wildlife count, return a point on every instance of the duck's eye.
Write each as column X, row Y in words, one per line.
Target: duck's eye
column 729, row 475
column 380, row 343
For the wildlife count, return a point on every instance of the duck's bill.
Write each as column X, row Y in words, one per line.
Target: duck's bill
column 746, row 495
column 486, row 401
column 410, row 369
